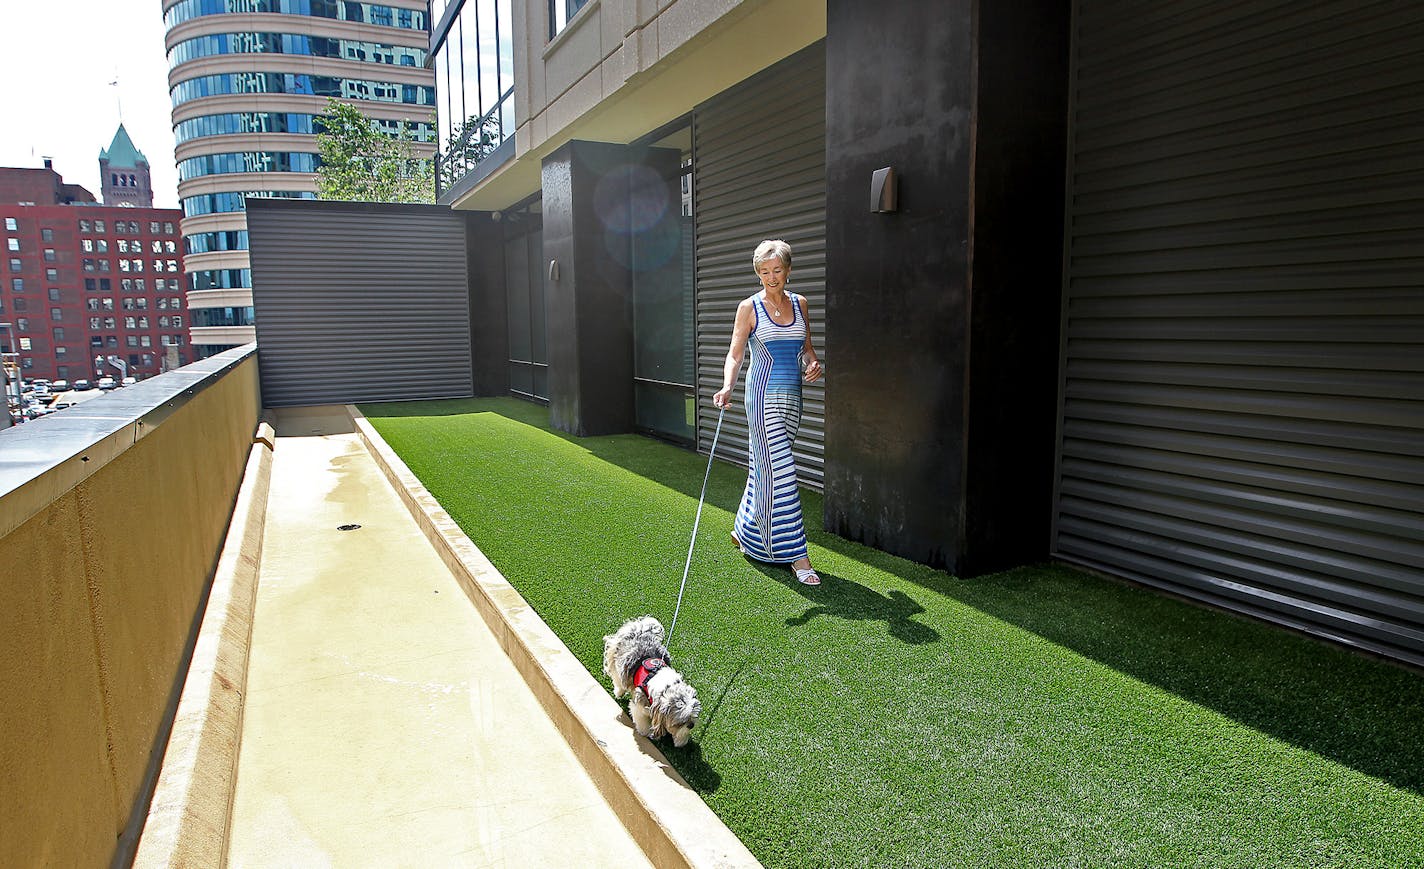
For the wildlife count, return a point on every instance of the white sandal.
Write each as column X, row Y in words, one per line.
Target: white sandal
column 737, row 542
column 807, row 576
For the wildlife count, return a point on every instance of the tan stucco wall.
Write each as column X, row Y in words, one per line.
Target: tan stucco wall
column 623, row 68
column 99, row 597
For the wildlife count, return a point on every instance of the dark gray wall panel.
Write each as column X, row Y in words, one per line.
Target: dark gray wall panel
column 359, row 301
column 489, row 314
column 1243, row 345
column 759, row 170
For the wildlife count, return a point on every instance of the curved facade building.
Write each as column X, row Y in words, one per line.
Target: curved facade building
column 247, row 79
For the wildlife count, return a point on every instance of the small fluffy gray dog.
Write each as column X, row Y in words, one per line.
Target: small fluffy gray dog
column 638, row 663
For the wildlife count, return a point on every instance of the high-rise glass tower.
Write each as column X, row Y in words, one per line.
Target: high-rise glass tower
column 248, row 79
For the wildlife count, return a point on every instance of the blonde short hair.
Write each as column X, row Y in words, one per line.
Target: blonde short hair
column 773, row 248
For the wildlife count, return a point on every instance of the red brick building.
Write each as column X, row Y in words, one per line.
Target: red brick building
column 83, row 280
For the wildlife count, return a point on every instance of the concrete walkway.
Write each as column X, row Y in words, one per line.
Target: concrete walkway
column 383, row 724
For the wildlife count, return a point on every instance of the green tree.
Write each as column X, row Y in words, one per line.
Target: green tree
column 362, row 164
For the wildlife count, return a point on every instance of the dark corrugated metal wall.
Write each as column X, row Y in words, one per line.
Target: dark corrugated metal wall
column 760, row 172
column 359, row 302
column 1243, row 398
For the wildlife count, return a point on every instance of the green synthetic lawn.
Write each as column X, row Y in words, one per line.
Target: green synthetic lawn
column 901, row 717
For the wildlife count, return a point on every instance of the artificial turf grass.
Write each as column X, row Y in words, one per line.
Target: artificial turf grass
column 898, row 716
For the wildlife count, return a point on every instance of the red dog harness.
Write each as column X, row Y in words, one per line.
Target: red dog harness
column 647, row 670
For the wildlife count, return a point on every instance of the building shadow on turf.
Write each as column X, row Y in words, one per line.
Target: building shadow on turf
column 1357, row 711
column 670, row 465
column 840, row 598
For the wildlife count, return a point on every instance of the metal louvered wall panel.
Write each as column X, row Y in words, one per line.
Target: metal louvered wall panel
column 1243, row 394
column 760, row 172
column 359, row 302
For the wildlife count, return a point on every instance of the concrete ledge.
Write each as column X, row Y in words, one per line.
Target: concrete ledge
column 667, row 819
column 46, row 458
column 189, row 817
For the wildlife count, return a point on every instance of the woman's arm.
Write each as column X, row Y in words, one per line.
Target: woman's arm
column 814, row 369
column 741, row 331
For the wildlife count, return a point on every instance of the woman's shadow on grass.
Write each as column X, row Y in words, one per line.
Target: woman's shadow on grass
column 852, row 601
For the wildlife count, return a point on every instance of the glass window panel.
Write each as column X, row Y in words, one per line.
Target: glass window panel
column 662, row 329
column 506, row 118
column 538, row 319
column 506, row 45
column 521, row 377
column 516, row 263
column 665, row 409
column 442, row 87
column 488, row 56
column 457, row 92
column 471, row 26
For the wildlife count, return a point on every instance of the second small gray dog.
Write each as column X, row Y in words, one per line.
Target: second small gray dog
column 638, row 663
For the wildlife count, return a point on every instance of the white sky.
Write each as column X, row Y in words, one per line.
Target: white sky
column 57, row 58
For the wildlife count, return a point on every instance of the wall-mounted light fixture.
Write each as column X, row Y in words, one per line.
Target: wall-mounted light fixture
column 883, row 190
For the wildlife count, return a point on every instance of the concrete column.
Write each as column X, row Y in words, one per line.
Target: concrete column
column 941, row 317
column 599, row 202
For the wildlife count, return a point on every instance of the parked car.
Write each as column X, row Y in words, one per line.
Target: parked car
column 82, row 384
column 129, row 381
column 107, row 382
column 58, row 385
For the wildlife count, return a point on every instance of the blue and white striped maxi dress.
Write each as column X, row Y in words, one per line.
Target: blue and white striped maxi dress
column 769, row 523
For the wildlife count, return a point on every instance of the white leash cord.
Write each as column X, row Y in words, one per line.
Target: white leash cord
column 711, row 454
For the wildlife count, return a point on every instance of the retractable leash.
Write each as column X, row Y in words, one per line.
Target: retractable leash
column 695, row 522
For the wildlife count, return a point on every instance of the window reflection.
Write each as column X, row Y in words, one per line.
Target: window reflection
column 339, row 10
column 524, row 297
column 664, row 327
column 223, row 316
column 474, row 62
column 306, row 85
column 247, row 161
column 561, row 12
column 211, row 203
column 219, row 279
column 294, row 43
column 207, row 242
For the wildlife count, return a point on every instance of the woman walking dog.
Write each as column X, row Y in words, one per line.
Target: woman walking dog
column 776, row 325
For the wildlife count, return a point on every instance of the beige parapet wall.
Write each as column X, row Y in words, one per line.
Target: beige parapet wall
column 103, row 581
column 190, row 816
